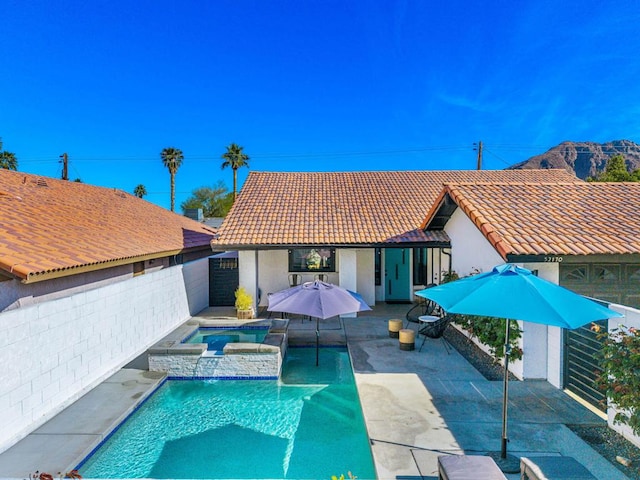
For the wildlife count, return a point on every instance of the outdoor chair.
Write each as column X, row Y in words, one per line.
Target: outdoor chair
column 322, row 277
column 294, row 279
column 422, row 308
column 436, row 329
column 467, row 467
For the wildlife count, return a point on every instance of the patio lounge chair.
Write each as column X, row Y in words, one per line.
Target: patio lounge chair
column 468, row 467
column 553, row 468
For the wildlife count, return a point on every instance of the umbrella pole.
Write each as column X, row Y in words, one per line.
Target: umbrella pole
column 506, row 463
column 317, row 342
column 505, row 392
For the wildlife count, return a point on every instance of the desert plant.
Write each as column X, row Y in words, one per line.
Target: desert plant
column 244, row 301
column 341, row 477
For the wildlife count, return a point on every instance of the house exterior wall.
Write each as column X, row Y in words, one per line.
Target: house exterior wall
column 366, row 275
column 542, row 345
column 546, row 341
column 248, row 273
column 470, row 250
column 15, row 294
column 268, row 271
column 53, row 352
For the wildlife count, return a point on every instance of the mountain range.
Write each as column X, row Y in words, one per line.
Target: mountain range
column 585, row 159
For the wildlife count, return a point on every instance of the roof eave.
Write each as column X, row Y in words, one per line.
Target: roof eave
column 34, row 277
column 282, row 246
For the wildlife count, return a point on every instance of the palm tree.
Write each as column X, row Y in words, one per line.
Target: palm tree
column 140, row 191
column 235, row 158
column 172, row 159
column 8, row 160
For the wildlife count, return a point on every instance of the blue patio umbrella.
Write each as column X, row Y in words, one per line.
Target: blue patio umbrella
column 515, row 293
column 317, row 299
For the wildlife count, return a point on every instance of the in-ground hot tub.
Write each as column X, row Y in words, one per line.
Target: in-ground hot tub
column 230, row 356
column 217, row 338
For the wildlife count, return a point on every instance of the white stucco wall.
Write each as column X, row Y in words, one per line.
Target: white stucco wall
column 545, row 341
column 248, row 273
column 470, row 250
column 542, row 345
column 348, row 273
column 354, row 270
column 366, row 275
column 53, row 352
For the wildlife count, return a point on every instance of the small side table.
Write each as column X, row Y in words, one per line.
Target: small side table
column 422, row 320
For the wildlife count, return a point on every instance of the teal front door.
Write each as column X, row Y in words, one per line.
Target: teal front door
column 396, row 273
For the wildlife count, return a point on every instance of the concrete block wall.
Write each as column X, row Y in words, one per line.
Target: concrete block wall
column 53, row 352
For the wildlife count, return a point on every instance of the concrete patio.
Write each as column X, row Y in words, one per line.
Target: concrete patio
column 416, row 404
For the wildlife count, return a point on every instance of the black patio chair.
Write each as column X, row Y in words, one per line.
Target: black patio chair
column 422, row 308
column 436, row 330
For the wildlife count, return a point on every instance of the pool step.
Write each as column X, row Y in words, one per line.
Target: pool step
column 339, row 406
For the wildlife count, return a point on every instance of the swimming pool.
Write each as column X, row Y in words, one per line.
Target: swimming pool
column 216, row 338
column 308, row 424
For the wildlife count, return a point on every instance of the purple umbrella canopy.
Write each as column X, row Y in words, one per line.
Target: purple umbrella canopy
column 317, row 299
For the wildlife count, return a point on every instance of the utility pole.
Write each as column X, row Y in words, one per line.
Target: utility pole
column 65, row 166
column 479, row 149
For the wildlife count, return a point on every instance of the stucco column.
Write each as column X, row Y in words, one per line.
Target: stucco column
column 348, row 271
column 248, row 273
column 543, row 344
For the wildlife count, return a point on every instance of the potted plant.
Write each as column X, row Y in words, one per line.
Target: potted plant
column 244, row 304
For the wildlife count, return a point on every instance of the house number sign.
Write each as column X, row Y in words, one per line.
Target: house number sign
column 536, row 258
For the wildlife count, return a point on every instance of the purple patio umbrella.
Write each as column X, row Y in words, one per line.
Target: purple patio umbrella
column 317, row 299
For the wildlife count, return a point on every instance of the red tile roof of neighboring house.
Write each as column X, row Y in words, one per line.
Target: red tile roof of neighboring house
column 347, row 208
column 550, row 218
column 51, row 227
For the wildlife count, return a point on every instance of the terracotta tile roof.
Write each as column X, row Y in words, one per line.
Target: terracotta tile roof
column 347, row 208
column 552, row 218
column 50, row 226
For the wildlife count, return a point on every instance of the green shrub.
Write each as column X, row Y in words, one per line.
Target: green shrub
column 489, row 330
column 620, row 377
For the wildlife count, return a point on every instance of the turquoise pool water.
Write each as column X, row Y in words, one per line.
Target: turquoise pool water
column 217, row 338
column 308, row 425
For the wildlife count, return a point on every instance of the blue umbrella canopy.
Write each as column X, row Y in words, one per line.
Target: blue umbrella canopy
column 513, row 292
column 316, row 299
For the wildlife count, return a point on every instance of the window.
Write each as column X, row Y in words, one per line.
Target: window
column 378, row 266
column 606, row 273
column 319, row 259
column 577, row 274
column 420, row 266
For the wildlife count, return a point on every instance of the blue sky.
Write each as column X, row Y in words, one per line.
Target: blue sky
column 309, row 85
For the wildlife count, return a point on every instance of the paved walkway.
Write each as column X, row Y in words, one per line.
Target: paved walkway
column 417, row 405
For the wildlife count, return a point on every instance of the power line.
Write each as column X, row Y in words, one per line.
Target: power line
column 262, row 155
